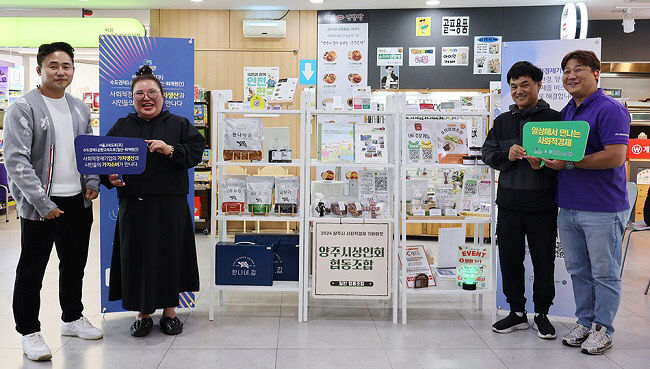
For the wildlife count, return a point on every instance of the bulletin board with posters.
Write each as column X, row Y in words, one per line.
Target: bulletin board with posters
column 351, row 260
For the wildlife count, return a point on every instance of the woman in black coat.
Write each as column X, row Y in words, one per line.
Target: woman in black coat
column 154, row 252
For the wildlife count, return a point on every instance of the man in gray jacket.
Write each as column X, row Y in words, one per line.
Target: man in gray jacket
column 52, row 198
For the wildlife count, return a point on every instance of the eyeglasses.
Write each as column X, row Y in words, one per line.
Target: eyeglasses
column 139, row 95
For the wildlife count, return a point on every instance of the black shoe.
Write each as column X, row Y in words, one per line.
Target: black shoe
column 510, row 323
column 543, row 327
column 141, row 328
column 171, row 326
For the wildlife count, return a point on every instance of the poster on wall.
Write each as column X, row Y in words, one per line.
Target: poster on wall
column 487, row 55
column 260, row 81
column 423, row 26
column 172, row 60
column 422, row 56
column 455, row 26
column 343, row 55
column 455, row 56
column 351, row 261
column 389, row 77
column 547, row 56
column 390, row 56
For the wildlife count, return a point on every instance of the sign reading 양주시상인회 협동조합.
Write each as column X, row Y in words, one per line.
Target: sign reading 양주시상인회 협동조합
column 351, row 260
column 110, row 155
column 563, row 140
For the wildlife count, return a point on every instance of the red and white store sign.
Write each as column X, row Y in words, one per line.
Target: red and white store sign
column 638, row 149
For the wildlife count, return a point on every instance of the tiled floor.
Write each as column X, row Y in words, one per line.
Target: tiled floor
column 261, row 330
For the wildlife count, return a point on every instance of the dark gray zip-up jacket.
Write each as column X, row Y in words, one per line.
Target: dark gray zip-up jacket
column 29, row 152
column 521, row 187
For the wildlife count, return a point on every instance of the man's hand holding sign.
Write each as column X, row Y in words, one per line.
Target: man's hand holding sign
column 557, row 145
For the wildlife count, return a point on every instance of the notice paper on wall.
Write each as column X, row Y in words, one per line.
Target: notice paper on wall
column 390, row 56
column 487, row 55
column 422, row 56
column 455, row 26
column 423, row 26
column 455, row 56
column 343, row 56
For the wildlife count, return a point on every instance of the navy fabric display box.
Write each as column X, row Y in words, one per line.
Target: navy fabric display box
column 285, row 252
column 244, row 264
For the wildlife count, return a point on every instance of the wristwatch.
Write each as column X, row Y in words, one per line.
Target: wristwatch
column 171, row 147
column 569, row 165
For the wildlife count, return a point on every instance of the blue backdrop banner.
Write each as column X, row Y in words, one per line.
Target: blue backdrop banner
column 172, row 60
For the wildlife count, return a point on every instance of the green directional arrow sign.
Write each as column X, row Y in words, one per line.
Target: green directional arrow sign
column 563, row 140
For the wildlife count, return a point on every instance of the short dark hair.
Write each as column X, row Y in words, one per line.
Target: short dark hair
column 145, row 73
column 47, row 49
column 525, row 69
column 584, row 57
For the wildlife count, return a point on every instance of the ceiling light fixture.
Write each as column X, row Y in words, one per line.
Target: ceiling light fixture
column 316, row 1
column 628, row 21
column 196, row 1
column 433, row 2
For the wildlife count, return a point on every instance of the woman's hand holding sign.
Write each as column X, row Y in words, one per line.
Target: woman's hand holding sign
column 116, row 180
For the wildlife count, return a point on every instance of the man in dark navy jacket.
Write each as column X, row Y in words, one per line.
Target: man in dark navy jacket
column 526, row 200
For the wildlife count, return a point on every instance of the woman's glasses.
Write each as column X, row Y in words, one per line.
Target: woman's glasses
column 139, row 95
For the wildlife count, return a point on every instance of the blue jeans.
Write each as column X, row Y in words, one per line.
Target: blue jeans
column 592, row 254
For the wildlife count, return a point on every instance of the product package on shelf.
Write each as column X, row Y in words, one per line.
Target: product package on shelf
column 420, row 140
column 417, row 197
column 259, row 194
column 286, row 195
column 242, row 139
column 276, row 145
column 234, row 194
column 336, row 142
column 200, row 115
column 475, row 200
column 445, row 199
column 328, row 173
column 286, row 252
column 351, row 183
column 375, row 189
column 206, row 158
column 451, row 138
column 370, row 143
column 244, row 264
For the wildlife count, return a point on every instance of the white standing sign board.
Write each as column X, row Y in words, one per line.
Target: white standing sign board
column 351, row 260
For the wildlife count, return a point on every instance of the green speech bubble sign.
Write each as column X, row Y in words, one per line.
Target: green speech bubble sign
column 563, row 140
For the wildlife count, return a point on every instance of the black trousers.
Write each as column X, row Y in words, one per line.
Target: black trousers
column 70, row 232
column 540, row 228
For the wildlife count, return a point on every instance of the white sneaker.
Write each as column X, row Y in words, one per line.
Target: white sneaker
column 576, row 336
column 35, row 348
column 81, row 328
column 598, row 342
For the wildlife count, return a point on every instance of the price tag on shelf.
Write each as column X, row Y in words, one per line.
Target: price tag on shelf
column 435, row 212
column 449, row 212
column 418, row 211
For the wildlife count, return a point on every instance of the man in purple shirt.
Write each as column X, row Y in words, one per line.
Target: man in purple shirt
column 593, row 203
